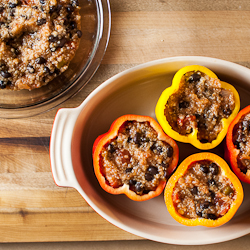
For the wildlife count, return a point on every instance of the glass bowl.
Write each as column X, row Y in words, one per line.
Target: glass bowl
column 95, row 26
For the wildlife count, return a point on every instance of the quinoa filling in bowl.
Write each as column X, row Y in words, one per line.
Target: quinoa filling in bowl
column 38, row 39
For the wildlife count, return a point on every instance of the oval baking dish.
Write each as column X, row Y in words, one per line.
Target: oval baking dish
column 136, row 91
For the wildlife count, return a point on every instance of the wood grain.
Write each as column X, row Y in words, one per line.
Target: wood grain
column 32, row 207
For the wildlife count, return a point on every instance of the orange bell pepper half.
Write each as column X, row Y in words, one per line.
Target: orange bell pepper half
column 124, row 165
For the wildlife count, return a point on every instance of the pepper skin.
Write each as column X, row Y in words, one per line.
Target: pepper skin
column 192, row 137
column 106, row 138
column 200, row 221
column 231, row 151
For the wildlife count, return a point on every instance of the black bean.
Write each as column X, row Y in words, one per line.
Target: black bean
column 204, row 205
column 138, row 187
column 70, row 8
column 2, row 84
column 194, row 78
column 41, row 21
column 12, row 12
column 41, row 60
column 211, row 216
column 204, row 141
column 132, row 182
column 237, row 144
column 204, row 169
column 73, row 25
column 128, row 170
column 53, row 39
column 65, row 21
column 156, row 148
column 227, row 111
column 194, row 190
column 214, row 169
column 75, row 3
column 199, row 213
column 13, row 5
column 57, row 71
column 111, row 148
column 5, row 74
column 211, row 182
column 79, row 33
column 149, row 177
column 31, row 69
column 46, row 70
column 61, row 42
column 152, row 170
column 136, row 138
column 212, row 194
column 53, row 9
column 170, row 151
column 42, row 1
column 183, row 105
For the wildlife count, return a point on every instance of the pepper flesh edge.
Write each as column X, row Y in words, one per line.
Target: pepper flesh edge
column 179, row 173
column 192, row 137
column 231, row 152
column 112, row 133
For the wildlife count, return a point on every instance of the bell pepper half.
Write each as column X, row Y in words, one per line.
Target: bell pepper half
column 203, row 191
column 194, row 120
column 237, row 151
column 135, row 157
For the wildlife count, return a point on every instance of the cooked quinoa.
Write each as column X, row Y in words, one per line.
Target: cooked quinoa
column 200, row 103
column 136, row 157
column 38, row 39
column 203, row 192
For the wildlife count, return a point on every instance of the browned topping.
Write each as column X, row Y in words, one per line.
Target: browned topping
column 200, row 103
column 136, row 157
column 203, row 192
column 241, row 140
column 38, row 39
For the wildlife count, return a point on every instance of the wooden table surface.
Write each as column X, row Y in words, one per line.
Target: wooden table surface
column 32, row 207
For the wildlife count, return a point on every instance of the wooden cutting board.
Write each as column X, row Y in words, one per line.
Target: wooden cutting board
column 32, row 207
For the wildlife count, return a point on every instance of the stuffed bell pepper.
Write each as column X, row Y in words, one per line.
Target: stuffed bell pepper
column 203, row 191
column 135, row 157
column 197, row 108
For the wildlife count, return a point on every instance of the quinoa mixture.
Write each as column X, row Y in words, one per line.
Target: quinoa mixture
column 136, row 157
column 38, row 39
column 200, row 103
column 241, row 140
column 203, row 192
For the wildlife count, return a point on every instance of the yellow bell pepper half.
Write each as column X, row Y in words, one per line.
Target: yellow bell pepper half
column 192, row 137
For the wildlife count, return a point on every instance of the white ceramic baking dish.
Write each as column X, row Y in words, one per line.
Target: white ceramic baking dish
column 136, row 91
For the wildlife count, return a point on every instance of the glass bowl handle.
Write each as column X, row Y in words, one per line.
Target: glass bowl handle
column 60, row 147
